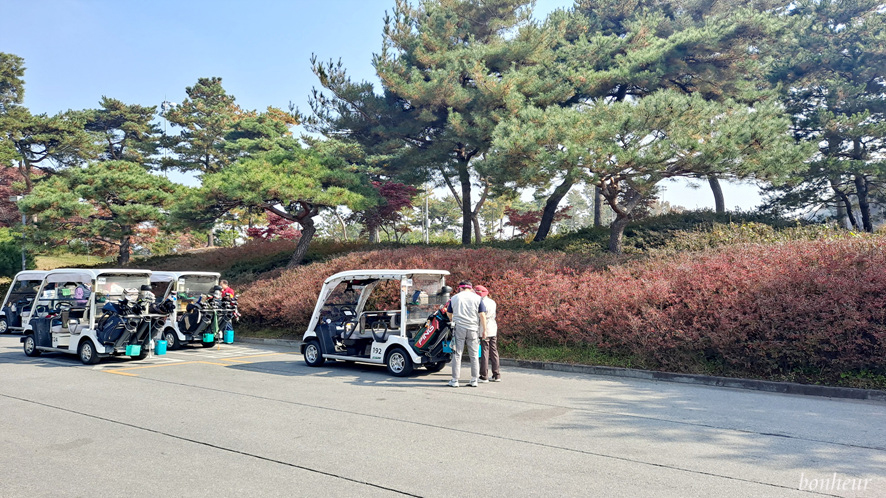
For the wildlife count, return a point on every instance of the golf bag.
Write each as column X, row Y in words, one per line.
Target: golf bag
column 119, row 324
column 227, row 313
column 432, row 333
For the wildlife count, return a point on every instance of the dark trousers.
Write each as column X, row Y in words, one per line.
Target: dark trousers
column 490, row 355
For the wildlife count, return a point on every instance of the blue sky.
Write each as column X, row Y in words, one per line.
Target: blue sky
column 145, row 52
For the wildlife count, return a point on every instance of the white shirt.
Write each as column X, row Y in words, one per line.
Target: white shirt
column 491, row 325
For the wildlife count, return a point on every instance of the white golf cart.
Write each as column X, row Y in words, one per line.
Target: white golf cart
column 186, row 324
column 15, row 312
column 390, row 317
column 68, row 316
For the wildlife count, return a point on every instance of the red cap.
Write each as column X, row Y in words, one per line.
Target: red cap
column 483, row 291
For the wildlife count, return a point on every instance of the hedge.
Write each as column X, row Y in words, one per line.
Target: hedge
column 762, row 310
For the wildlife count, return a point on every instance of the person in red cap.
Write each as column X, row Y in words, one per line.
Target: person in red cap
column 490, row 342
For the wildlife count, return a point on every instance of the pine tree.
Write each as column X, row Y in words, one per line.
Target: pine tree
column 106, row 203
column 125, row 132
column 205, row 117
column 626, row 148
column 433, row 122
column 12, row 94
column 617, row 54
column 832, row 73
column 290, row 181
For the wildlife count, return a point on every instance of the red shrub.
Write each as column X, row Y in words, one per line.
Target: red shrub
column 798, row 306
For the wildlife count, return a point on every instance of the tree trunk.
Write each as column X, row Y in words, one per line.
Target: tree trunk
column 616, row 233
column 846, row 202
column 464, row 177
column 475, row 213
column 373, row 234
column 307, row 233
column 550, row 210
column 24, row 169
column 842, row 216
column 124, row 252
column 631, row 198
column 719, row 202
column 861, row 189
column 210, row 238
column 598, row 207
column 344, row 227
column 478, row 236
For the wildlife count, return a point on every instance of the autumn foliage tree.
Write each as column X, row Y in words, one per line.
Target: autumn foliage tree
column 527, row 222
column 278, row 228
column 11, row 185
column 394, row 197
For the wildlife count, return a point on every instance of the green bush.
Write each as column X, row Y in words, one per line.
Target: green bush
column 11, row 253
column 648, row 234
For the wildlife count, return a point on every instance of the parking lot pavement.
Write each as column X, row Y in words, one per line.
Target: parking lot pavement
column 256, row 421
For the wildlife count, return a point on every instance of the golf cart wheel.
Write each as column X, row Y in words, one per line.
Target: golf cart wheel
column 435, row 366
column 143, row 353
column 171, row 339
column 30, row 346
column 399, row 363
column 313, row 356
column 4, row 325
column 87, row 353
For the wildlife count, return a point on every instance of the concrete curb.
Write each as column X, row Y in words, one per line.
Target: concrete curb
column 706, row 380
column 630, row 373
column 294, row 344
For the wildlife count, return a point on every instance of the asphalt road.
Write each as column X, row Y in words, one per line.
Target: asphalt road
column 245, row 420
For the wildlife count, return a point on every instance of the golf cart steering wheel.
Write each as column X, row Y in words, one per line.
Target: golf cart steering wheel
column 62, row 306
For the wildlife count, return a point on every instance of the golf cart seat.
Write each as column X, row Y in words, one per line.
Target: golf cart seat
column 379, row 324
column 71, row 320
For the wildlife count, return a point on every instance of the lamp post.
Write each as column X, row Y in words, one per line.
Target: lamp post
column 16, row 198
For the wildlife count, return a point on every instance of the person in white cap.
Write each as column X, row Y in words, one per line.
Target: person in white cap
column 467, row 314
column 490, row 342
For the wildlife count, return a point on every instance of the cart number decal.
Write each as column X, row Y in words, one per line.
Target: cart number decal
column 376, row 353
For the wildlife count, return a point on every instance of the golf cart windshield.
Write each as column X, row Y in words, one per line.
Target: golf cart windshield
column 24, row 290
column 194, row 286
column 110, row 286
column 342, row 301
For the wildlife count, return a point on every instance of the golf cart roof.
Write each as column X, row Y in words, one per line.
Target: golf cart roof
column 30, row 275
column 168, row 276
column 63, row 274
column 381, row 274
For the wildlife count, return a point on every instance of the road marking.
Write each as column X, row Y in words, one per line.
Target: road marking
column 242, row 360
